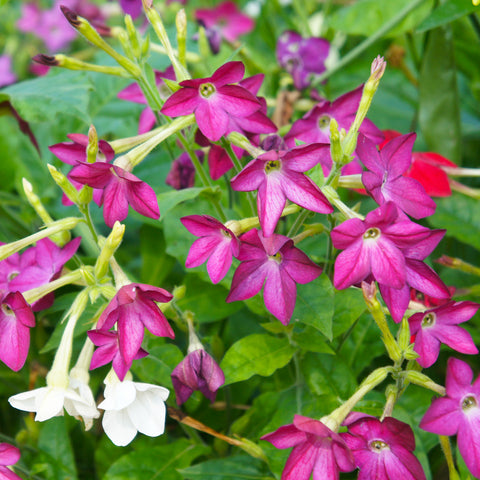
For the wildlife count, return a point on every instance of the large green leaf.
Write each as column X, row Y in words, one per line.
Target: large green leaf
column 156, row 463
column 439, row 113
column 349, row 305
column 315, row 305
column 239, row 467
column 447, row 12
column 256, row 354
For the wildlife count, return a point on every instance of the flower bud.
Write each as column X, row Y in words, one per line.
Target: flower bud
column 108, row 249
column 64, row 183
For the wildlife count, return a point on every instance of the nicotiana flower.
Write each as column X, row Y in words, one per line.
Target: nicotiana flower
column 316, row 449
column 132, row 7
column 16, row 319
column 182, row 173
column 217, row 243
column 132, row 407
column 7, row 75
column 385, row 180
column 278, row 175
column 276, row 263
column 132, row 309
column 213, row 100
column 382, row 450
column 458, row 412
column 440, row 325
column 224, row 21
column 9, row 455
column 302, row 58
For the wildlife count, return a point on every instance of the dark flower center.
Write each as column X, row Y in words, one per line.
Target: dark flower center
column 277, row 257
column 226, row 233
column 324, row 122
column 7, row 310
column 207, row 89
column 469, row 402
column 272, row 166
column 429, row 320
column 12, row 275
column 371, row 233
column 378, row 445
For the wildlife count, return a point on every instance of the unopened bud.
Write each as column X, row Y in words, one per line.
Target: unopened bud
column 335, row 146
column 64, row 183
column 111, row 244
column 404, row 335
column 423, row 380
column 181, row 24
column 252, row 449
column 132, row 36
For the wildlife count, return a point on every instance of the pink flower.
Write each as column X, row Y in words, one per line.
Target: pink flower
column 109, row 351
column 7, row 75
column 440, row 325
column 213, row 100
column 120, row 189
column 458, row 413
column 16, row 319
column 217, row 243
column 385, row 179
column 132, row 7
column 277, row 263
column 9, row 455
column 316, row 449
column 278, row 175
column 134, row 308
column 382, row 450
column 197, row 371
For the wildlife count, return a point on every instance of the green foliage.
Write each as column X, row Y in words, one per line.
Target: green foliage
column 447, row 12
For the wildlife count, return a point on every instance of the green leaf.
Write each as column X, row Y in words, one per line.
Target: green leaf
column 439, row 113
column 256, row 354
column 311, row 340
column 314, row 305
column 41, row 99
column 460, row 215
column 447, row 12
column 156, row 463
column 55, row 460
column 239, row 467
column 349, row 305
column 365, row 17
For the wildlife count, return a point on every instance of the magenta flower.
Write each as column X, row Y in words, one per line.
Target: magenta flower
column 16, row 319
column 277, row 263
column 302, row 58
column 385, row 180
column 133, row 93
column 197, row 371
column 316, row 449
column 217, row 243
column 7, row 75
column 458, row 413
column 109, row 351
column 213, row 100
column 9, row 455
column 278, row 175
column 224, row 21
column 120, row 189
column 382, row 450
column 132, row 309
column 440, row 325
column 132, row 7
column 182, row 172
column 219, row 162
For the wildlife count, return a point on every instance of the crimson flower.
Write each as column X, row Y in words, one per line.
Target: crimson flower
column 213, row 100
column 275, row 262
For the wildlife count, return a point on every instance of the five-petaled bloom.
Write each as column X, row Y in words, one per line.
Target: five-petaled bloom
column 213, row 100
column 458, row 412
column 277, row 263
column 440, row 325
column 382, row 450
column 316, row 449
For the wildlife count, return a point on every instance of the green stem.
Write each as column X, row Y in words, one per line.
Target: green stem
column 447, row 451
column 301, row 217
column 299, row 7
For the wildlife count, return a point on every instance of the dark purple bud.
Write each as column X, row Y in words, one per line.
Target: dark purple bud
column 273, row 142
column 182, row 173
column 48, row 60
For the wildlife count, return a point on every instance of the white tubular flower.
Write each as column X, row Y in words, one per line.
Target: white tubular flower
column 132, row 407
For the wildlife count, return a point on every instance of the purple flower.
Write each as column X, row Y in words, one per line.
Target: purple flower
column 9, row 455
column 385, row 180
column 224, row 21
column 182, row 173
column 302, row 58
column 197, row 371
column 277, row 263
column 109, row 351
column 458, row 413
column 213, row 100
column 132, row 309
column 132, row 7
column 314, row 126
column 278, row 175
column 440, row 325
column 7, row 75
column 120, row 189
column 219, row 162
column 316, row 449
column 133, row 93
column 217, row 243
column 16, row 319
column 382, row 450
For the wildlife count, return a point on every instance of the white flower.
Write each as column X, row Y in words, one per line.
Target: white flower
column 132, row 407
column 76, row 409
